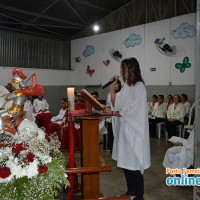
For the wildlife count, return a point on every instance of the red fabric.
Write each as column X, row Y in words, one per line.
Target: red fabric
column 44, row 119
column 71, row 153
column 36, row 90
column 64, row 137
column 78, row 139
column 51, row 128
column 80, row 105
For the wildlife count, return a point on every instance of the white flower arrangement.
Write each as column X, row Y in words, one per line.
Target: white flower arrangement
column 34, row 166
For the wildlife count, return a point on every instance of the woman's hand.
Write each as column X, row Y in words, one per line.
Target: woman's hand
column 177, row 144
column 113, row 84
column 107, row 110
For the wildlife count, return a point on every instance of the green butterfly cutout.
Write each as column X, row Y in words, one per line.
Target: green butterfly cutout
column 184, row 65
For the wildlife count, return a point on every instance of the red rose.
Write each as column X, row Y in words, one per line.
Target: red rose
column 42, row 169
column 47, row 138
column 29, row 158
column 4, row 172
column 2, row 143
column 17, row 148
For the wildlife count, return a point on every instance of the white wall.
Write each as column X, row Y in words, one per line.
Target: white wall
column 153, row 58
column 44, row 77
column 146, row 52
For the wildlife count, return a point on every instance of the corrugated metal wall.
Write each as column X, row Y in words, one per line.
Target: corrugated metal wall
column 27, row 51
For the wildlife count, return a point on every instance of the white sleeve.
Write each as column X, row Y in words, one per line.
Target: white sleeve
column 182, row 114
column 36, row 106
column 46, row 105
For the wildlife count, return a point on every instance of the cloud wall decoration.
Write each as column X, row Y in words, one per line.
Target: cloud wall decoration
column 132, row 40
column 89, row 50
column 184, row 31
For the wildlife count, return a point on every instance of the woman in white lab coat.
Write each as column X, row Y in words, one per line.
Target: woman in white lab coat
column 175, row 116
column 131, row 148
column 187, row 105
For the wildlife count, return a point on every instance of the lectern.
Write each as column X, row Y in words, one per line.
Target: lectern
column 90, row 168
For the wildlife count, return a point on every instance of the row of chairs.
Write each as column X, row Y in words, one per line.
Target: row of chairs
column 159, row 126
column 181, row 128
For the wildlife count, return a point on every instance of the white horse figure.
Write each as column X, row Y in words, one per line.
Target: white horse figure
column 26, row 125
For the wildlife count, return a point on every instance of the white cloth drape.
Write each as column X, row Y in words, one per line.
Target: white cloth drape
column 180, row 156
column 131, row 148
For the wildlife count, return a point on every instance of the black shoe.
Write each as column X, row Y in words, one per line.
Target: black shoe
column 132, row 194
column 136, row 198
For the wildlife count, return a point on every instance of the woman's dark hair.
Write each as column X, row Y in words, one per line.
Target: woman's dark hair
column 170, row 96
column 155, row 96
column 65, row 100
column 134, row 73
column 185, row 96
column 160, row 95
column 179, row 98
column 120, row 86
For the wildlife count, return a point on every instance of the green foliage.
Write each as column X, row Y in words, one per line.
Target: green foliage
column 45, row 186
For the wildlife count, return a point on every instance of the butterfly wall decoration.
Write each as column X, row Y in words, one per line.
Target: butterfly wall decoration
column 184, row 65
column 89, row 71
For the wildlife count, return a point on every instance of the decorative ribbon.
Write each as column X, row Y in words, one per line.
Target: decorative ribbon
column 71, row 151
column 34, row 75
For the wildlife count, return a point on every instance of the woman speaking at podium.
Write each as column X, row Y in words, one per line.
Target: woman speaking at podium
column 131, row 148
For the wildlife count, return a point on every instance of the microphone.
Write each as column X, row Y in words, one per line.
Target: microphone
column 110, row 82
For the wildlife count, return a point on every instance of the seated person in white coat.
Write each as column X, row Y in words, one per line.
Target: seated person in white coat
column 58, row 119
column 158, row 115
column 169, row 101
column 187, row 105
column 28, row 109
column 102, row 127
column 41, row 109
column 175, row 116
column 182, row 154
column 131, row 148
column 151, row 104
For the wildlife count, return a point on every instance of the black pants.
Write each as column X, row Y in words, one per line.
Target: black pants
column 152, row 125
column 171, row 127
column 135, row 182
column 110, row 137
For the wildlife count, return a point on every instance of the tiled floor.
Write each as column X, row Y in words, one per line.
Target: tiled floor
column 113, row 183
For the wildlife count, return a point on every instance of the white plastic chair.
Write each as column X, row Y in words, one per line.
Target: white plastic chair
column 158, row 128
column 190, row 125
column 180, row 130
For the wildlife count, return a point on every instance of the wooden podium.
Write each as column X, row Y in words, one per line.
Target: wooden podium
column 90, row 179
column 90, row 148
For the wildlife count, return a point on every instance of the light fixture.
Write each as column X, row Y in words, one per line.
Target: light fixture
column 96, row 28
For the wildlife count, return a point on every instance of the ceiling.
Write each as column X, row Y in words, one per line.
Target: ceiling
column 54, row 18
